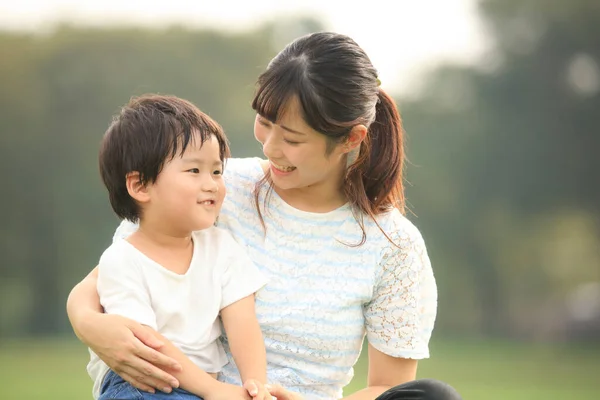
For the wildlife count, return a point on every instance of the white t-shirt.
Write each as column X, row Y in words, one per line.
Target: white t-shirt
column 183, row 308
column 323, row 296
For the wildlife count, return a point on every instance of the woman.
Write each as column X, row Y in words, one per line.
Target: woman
column 322, row 217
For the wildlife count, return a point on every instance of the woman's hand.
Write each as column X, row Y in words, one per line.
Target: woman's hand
column 282, row 394
column 127, row 348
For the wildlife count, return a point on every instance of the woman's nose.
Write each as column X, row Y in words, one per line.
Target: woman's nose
column 270, row 148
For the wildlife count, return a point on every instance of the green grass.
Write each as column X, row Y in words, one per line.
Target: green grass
column 510, row 371
column 55, row 369
column 48, row 370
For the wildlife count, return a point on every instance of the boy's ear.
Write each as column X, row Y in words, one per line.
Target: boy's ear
column 136, row 189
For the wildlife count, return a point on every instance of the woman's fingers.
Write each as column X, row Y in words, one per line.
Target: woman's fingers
column 135, row 383
column 277, row 391
column 141, row 379
column 156, row 358
column 145, row 372
column 118, row 344
column 145, row 336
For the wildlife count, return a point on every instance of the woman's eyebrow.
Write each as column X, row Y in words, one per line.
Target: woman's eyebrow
column 291, row 130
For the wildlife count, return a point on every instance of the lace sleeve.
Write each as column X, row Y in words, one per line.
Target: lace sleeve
column 400, row 316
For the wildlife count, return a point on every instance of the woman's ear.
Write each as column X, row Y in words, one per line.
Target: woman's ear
column 351, row 147
column 136, row 189
column 355, row 138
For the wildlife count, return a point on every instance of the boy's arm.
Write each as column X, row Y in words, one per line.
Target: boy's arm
column 193, row 379
column 240, row 280
column 245, row 339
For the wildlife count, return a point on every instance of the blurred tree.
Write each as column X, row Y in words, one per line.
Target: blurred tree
column 503, row 174
column 57, row 94
column 509, row 142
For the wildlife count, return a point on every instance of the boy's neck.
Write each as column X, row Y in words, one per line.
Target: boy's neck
column 172, row 251
column 164, row 237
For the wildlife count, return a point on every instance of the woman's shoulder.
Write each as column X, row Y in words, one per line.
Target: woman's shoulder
column 215, row 237
column 397, row 225
column 249, row 168
column 394, row 233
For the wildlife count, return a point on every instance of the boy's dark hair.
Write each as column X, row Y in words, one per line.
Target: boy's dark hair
column 148, row 132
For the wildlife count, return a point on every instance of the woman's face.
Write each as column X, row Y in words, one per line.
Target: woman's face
column 297, row 153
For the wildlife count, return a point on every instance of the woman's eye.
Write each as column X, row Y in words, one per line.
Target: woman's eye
column 290, row 142
column 264, row 122
column 217, row 172
column 194, row 170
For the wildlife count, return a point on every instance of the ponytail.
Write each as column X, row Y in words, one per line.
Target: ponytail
column 373, row 183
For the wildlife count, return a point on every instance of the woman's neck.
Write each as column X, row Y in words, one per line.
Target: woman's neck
column 320, row 198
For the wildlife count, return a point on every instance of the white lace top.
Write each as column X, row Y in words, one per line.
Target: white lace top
column 324, row 296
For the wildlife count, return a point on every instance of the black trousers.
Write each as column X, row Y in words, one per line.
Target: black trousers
column 421, row 389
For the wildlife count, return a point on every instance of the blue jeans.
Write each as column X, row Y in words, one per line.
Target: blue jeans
column 115, row 388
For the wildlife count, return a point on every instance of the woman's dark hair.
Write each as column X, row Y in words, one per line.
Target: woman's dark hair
column 337, row 88
column 148, row 132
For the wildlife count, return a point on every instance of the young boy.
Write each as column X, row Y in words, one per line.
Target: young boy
column 162, row 161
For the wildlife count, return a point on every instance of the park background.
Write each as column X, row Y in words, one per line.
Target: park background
column 501, row 106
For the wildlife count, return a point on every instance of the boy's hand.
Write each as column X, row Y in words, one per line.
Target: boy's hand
column 257, row 390
column 225, row 391
column 282, row 394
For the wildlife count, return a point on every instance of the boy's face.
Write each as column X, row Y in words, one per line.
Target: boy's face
column 189, row 191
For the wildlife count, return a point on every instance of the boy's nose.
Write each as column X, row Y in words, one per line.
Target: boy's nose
column 209, row 185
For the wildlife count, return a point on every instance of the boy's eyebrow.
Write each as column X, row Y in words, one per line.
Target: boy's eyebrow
column 201, row 161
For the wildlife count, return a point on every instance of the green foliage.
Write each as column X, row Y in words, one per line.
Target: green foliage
column 57, row 95
column 503, row 173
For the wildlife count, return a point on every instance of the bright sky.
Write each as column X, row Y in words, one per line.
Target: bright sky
column 403, row 38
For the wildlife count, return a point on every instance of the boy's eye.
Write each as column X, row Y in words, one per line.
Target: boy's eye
column 290, row 142
column 217, row 172
column 194, row 170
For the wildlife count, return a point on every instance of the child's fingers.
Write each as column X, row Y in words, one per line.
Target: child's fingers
column 251, row 387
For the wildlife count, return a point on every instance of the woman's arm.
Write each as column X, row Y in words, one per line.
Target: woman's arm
column 406, row 295
column 83, row 299
column 124, row 345
column 385, row 372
